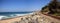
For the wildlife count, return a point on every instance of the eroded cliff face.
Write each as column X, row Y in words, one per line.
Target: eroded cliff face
column 35, row 18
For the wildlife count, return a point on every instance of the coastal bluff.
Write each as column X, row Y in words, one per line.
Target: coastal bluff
column 32, row 18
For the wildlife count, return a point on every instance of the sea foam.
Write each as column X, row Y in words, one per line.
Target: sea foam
column 3, row 17
column 13, row 15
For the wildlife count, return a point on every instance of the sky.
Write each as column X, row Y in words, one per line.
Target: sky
column 22, row 5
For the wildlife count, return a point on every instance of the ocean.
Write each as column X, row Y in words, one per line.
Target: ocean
column 4, row 15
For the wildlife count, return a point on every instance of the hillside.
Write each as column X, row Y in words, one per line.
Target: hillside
column 52, row 9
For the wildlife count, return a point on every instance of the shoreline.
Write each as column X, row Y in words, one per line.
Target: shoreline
column 17, row 15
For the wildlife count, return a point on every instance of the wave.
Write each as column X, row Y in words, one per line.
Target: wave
column 12, row 15
column 22, row 14
column 3, row 17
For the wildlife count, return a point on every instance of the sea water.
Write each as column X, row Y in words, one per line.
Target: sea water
column 4, row 15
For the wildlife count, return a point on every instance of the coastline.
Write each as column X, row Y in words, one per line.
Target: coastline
column 17, row 15
column 32, row 17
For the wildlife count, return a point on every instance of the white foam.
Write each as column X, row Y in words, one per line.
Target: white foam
column 22, row 14
column 2, row 17
column 13, row 15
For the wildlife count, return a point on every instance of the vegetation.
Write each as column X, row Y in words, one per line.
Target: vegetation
column 53, row 8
